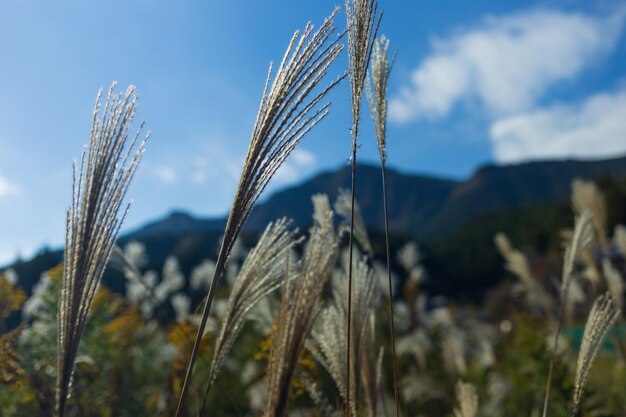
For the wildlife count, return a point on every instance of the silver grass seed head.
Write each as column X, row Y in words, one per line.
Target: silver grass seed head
column 299, row 306
column 290, row 107
column 262, row 272
column 586, row 196
column 376, row 91
column 581, row 238
column 516, row 261
column 601, row 319
column 329, row 344
column 614, row 283
column 363, row 20
column 619, row 238
column 93, row 220
column 467, row 397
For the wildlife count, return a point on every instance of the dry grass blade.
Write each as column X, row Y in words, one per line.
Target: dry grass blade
column 586, row 196
column 377, row 92
column 614, row 283
column 517, row 264
column 329, row 344
column 370, row 368
column 289, row 109
column 377, row 98
column 262, row 272
column 363, row 21
column 93, row 221
column 298, row 307
column 601, row 318
column 516, row 261
column 329, row 339
column 580, row 240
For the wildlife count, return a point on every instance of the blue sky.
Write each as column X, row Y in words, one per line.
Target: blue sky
column 474, row 82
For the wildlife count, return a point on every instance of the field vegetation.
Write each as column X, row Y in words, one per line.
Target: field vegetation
column 317, row 322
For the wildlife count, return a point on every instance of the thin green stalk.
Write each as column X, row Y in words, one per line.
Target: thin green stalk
column 394, row 360
column 376, row 89
column 219, row 268
column 581, row 238
column 554, row 348
column 355, row 132
column 362, row 19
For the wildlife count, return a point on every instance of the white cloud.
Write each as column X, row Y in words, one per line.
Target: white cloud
column 198, row 177
column 215, row 163
column 166, row 174
column 594, row 128
column 299, row 163
column 506, row 64
column 7, row 187
column 303, row 158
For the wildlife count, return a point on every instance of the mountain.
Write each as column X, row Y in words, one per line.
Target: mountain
column 176, row 223
column 496, row 188
column 414, row 200
column 454, row 220
column 425, row 208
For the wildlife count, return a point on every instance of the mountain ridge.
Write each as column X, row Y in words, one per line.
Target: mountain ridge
column 424, row 207
column 434, row 211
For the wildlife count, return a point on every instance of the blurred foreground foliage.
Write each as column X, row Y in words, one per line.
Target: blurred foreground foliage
column 133, row 356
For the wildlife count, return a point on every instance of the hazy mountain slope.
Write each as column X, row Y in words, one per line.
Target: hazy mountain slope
column 424, row 207
column 456, row 219
column 494, row 188
column 413, row 199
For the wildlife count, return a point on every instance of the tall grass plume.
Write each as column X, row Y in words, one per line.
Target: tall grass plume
column 363, row 20
column 377, row 99
column 290, row 108
column 93, row 220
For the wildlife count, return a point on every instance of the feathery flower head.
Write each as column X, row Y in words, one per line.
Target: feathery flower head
column 601, row 318
column 586, row 196
column 363, row 20
column 289, row 109
column 93, row 221
column 377, row 91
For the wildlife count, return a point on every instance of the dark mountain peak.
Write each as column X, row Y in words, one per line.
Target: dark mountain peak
column 493, row 188
column 176, row 223
column 412, row 198
column 421, row 206
column 179, row 216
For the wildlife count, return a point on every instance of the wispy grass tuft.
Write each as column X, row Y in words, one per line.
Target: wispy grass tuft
column 377, row 98
column 586, row 196
column 330, row 345
column 517, row 263
column 376, row 91
column 363, row 20
column 290, row 108
column 581, row 238
column 601, row 318
column 299, row 307
column 262, row 272
column 93, row 220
